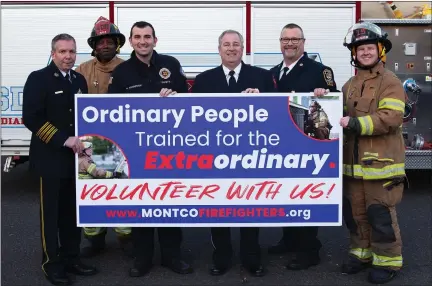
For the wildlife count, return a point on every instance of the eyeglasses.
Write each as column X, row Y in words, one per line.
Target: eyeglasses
column 295, row 41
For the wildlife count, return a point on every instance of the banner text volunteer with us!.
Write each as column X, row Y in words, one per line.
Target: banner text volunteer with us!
column 201, row 160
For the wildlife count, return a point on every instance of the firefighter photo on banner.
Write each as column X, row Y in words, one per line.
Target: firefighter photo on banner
column 317, row 120
column 101, row 159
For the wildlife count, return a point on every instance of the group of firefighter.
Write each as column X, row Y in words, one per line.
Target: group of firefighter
column 373, row 154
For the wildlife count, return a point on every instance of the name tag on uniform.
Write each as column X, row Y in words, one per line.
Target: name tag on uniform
column 134, row 86
column 58, row 92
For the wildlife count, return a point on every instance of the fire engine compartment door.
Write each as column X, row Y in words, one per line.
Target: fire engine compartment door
column 324, row 26
column 27, row 31
column 189, row 32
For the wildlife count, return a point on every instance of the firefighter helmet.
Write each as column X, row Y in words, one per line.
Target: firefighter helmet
column 367, row 33
column 315, row 104
column 103, row 28
column 87, row 145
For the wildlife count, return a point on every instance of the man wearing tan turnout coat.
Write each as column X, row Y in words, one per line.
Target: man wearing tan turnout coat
column 373, row 156
column 106, row 41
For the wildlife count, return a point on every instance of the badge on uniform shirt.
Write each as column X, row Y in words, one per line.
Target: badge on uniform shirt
column 164, row 73
column 328, row 77
column 79, row 91
column 56, row 74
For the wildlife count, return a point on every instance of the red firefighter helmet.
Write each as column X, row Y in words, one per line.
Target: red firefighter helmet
column 103, row 28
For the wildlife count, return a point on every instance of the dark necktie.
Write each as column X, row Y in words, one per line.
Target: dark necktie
column 67, row 77
column 285, row 73
column 232, row 82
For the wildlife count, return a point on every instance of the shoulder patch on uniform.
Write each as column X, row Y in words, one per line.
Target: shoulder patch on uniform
column 328, row 77
column 164, row 73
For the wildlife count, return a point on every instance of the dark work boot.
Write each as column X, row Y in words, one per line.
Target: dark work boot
column 171, row 258
column 354, row 265
column 381, row 275
column 304, row 260
column 140, row 268
column 96, row 245
column 177, row 265
column 56, row 275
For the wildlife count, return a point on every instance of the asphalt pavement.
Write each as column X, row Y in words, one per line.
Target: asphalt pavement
column 21, row 248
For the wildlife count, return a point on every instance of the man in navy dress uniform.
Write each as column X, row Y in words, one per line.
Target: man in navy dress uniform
column 299, row 73
column 234, row 76
column 48, row 112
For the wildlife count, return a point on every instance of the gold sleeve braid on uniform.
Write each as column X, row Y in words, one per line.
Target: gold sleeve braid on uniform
column 389, row 115
column 46, row 132
column 34, row 118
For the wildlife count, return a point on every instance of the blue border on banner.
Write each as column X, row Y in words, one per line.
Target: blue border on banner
column 201, row 214
column 306, row 186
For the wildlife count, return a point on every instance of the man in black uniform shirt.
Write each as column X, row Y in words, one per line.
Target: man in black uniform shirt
column 298, row 73
column 234, row 76
column 48, row 112
column 149, row 72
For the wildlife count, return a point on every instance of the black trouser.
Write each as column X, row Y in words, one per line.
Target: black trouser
column 302, row 239
column 250, row 252
column 170, row 239
column 58, row 222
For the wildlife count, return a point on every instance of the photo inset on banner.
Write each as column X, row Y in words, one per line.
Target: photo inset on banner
column 101, row 159
column 314, row 116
